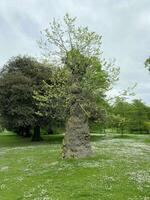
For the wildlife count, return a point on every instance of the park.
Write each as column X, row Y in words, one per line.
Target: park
column 65, row 133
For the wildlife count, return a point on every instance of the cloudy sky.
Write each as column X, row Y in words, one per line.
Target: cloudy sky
column 123, row 24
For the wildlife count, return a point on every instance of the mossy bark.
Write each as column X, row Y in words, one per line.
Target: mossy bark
column 76, row 142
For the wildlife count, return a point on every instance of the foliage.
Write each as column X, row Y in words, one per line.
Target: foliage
column 147, row 64
column 52, row 97
column 138, row 116
column 16, row 100
column 18, row 79
column 132, row 116
column 78, row 50
column 65, row 37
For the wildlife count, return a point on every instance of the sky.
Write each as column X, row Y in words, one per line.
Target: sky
column 123, row 24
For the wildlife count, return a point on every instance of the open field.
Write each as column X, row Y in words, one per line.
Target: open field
column 119, row 170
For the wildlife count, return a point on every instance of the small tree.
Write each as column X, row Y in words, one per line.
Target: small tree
column 121, row 110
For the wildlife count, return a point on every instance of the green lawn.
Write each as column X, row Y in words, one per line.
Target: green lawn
column 119, row 170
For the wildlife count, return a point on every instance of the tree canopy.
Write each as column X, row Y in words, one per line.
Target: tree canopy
column 78, row 51
column 19, row 78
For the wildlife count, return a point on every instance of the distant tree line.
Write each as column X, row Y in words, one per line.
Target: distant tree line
column 129, row 117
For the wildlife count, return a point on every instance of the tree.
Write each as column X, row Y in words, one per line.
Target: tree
column 78, row 50
column 15, row 103
column 121, row 111
column 131, row 117
column 19, row 78
column 138, row 116
column 147, row 64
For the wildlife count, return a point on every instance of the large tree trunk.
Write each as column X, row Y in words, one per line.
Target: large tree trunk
column 36, row 135
column 76, row 142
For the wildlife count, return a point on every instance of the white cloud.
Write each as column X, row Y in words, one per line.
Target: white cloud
column 144, row 21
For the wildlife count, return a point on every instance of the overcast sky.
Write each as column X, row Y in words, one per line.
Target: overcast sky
column 123, row 24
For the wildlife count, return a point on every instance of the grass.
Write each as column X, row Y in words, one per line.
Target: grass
column 119, row 170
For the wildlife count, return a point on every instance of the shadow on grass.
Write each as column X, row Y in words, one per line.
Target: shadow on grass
column 13, row 140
